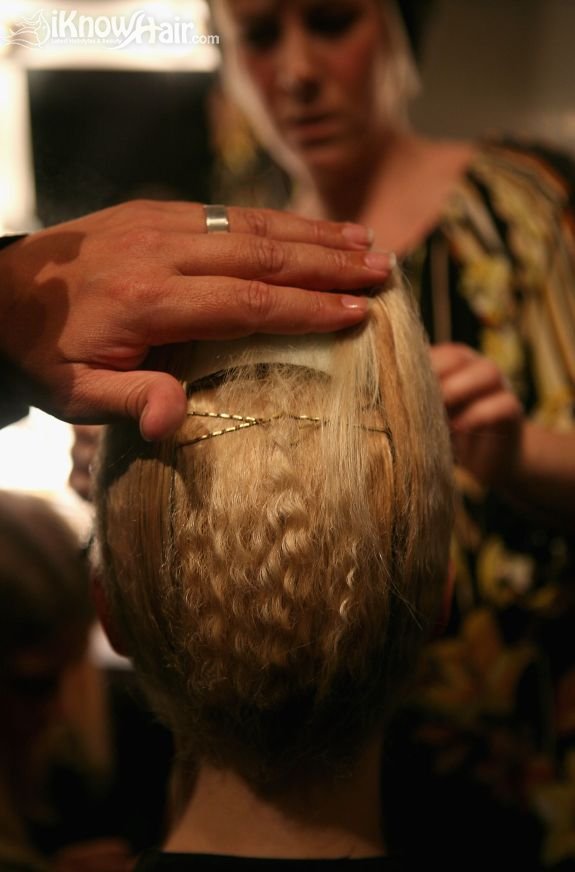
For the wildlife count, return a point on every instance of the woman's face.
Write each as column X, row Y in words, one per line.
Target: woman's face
column 313, row 64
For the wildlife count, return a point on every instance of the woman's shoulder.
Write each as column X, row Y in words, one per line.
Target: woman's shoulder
column 534, row 171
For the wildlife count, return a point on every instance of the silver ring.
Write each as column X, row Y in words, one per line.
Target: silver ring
column 217, row 220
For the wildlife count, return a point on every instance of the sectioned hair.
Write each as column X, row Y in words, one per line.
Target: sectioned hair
column 274, row 584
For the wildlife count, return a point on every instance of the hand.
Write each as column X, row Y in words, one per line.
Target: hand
column 485, row 416
column 82, row 303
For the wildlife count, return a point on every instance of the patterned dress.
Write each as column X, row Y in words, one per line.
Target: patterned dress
column 482, row 764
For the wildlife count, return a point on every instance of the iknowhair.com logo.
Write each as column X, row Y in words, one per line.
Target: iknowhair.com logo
column 70, row 27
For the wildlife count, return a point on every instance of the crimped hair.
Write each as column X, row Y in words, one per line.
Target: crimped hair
column 274, row 583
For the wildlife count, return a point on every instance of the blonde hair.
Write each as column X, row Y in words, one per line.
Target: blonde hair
column 396, row 83
column 274, row 583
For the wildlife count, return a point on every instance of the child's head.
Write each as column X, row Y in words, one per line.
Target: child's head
column 274, row 568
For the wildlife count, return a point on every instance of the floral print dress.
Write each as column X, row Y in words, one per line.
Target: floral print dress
column 482, row 764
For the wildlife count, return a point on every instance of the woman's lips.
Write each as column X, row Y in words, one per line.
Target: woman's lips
column 312, row 128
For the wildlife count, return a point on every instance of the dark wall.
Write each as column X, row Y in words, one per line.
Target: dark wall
column 101, row 137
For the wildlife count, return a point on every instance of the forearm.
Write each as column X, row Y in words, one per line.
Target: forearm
column 542, row 480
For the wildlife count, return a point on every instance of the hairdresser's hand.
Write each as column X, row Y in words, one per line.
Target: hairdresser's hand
column 82, row 303
column 485, row 416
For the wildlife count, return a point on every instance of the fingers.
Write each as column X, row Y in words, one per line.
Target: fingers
column 164, row 407
column 285, row 263
column 448, row 357
column 293, row 228
column 228, row 308
column 495, row 412
column 475, row 391
column 465, row 375
column 155, row 399
column 283, row 226
column 478, row 378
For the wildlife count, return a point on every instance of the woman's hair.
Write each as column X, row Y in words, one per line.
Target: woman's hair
column 274, row 568
column 396, row 80
column 44, row 584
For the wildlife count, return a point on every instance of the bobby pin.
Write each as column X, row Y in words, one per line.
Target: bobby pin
column 247, row 421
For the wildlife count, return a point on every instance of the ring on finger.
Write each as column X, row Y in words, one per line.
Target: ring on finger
column 216, row 218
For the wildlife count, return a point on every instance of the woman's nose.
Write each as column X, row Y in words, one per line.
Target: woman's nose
column 298, row 71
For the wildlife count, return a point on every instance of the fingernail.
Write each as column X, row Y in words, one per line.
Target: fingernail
column 380, row 261
column 358, row 235
column 360, row 304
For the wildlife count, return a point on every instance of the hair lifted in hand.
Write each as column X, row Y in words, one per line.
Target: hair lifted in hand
column 274, row 585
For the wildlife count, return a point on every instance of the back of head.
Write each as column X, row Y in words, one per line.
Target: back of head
column 274, row 569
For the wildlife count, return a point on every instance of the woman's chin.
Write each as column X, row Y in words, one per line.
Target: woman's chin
column 325, row 156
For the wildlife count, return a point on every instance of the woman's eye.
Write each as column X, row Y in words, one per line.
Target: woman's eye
column 261, row 34
column 331, row 22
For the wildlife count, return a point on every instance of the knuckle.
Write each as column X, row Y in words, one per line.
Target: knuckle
column 317, row 232
column 142, row 240
column 135, row 294
column 258, row 300
column 132, row 210
column 257, row 222
column 316, row 304
column 132, row 399
column 340, row 260
column 269, row 256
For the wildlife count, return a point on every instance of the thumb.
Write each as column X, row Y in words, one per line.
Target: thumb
column 155, row 399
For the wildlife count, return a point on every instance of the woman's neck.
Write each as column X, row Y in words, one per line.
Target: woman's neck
column 341, row 194
column 401, row 192
column 336, row 818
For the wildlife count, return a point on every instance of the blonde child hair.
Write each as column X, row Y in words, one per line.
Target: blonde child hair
column 274, row 569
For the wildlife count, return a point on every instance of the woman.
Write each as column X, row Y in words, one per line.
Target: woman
column 273, row 571
column 485, row 235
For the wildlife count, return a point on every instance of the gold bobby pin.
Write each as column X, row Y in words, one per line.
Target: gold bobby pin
column 247, row 421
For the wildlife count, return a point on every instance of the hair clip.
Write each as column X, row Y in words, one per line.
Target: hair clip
column 244, row 422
